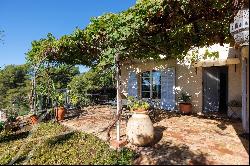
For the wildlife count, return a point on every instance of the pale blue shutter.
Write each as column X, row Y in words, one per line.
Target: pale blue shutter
column 168, row 89
column 132, row 84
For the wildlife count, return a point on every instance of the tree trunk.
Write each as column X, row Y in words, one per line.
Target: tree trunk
column 119, row 104
column 32, row 100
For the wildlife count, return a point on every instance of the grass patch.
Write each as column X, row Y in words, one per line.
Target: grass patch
column 52, row 143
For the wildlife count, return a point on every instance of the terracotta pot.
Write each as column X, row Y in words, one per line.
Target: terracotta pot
column 140, row 130
column 185, row 108
column 60, row 112
column 34, row 119
column 139, row 110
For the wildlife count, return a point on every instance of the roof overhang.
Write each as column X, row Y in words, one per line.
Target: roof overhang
column 218, row 62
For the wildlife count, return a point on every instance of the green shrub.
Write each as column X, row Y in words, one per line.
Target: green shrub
column 1, row 125
column 12, row 118
column 135, row 104
column 185, row 98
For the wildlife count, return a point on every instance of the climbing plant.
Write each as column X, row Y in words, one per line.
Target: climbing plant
column 146, row 30
column 149, row 28
column 48, row 75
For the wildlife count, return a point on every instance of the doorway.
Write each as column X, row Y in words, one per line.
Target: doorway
column 215, row 89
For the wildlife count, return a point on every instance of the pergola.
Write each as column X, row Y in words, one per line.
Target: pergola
column 143, row 31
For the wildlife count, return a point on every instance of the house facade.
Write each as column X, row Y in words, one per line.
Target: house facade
column 213, row 83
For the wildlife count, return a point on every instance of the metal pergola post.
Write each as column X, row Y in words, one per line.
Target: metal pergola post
column 118, row 95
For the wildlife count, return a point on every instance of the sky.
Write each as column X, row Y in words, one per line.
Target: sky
column 26, row 20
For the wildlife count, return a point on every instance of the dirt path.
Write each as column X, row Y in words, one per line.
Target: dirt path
column 94, row 120
column 180, row 139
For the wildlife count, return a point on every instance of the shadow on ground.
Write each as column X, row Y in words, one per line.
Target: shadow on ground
column 169, row 154
column 60, row 139
column 244, row 137
column 157, row 115
column 72, row 114
column 13, row 136
column 180, row 154
column 224, row 121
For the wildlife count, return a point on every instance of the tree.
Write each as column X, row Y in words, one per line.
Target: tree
column 14, row 87
column 50, row 80
column 92, row 81
column 61, row 75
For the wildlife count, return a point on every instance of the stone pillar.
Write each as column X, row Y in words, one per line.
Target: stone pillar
column 245, row 87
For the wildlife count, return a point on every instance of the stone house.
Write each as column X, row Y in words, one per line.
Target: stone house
column 212, row 82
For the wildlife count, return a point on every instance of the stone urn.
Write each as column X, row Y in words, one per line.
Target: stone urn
column 140, row 130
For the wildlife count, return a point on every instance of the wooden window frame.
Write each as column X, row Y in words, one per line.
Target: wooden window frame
column 150, row 84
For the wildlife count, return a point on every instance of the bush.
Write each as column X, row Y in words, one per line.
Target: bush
column 12, row 118
column 93, row 81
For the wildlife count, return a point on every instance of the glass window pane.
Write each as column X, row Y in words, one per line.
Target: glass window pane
column 156, row 88
column 146, row 88
column 146, row 74
column 159, row 95
column 156, row 77
column 145, row 81
column 145, row 94
column 156, row 95
column 151, row 80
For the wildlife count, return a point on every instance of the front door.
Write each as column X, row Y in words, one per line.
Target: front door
column 215, row 89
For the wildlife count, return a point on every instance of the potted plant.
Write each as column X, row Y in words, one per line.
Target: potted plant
column 140, row 130
column 33, row 118
column 60, row 110
column 137, row 106
column 234, row 109
column 185, row 105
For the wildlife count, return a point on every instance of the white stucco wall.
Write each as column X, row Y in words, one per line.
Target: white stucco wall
column 234, row 82
column 186, row 78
